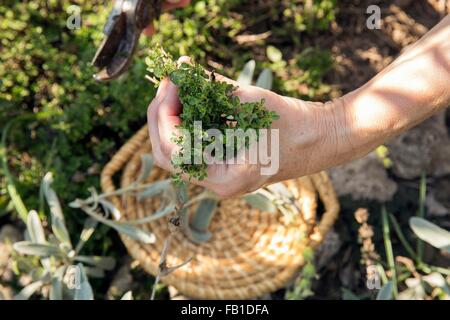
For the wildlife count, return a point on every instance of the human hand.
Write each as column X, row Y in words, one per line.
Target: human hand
column 305, row 130
column 167, row 5
column 315, row 136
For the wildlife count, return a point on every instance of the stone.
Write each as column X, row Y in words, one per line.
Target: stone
column 365, row 178
column 327, row 249
column 425, row 147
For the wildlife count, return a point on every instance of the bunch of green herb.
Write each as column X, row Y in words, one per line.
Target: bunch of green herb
column 207, row 100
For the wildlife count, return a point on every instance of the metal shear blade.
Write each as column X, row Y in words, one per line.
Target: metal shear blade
column 122, row 32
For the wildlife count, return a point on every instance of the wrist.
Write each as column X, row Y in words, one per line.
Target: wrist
column 361, row 123
column 334, row 139
column 307, row 138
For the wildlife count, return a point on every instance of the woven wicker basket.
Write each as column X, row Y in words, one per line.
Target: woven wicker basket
column 250, row 254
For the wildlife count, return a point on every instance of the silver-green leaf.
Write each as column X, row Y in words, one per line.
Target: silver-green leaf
column 110, row 208
column 265, row 79
column 146, row 167
column 125, row 228
column 94, row 272
column 133, row 232
column 274, row 54
column 28, row 291
column 154, row 189
column 107, row 263
column 246, row 75
column 430, row 233
column 386, row 291
column 36, row 249
column 34, row 227
column 127, row 296
column 88, row 230
column 56, row 288
column 84, row 291
column 60, row 231
column 260, row 202
column 58, row 222
column 157, row 215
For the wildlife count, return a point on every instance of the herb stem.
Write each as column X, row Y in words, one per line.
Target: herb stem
column 389, row 251
column 421, row 213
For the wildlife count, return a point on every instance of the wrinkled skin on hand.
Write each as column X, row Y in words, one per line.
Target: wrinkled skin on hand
column 300, row 132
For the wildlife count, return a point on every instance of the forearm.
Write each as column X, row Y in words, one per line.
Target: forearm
column 411, row 89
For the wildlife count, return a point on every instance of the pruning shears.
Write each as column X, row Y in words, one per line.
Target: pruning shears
column 123, row 28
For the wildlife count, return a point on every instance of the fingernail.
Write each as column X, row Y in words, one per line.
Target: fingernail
column 162, row 86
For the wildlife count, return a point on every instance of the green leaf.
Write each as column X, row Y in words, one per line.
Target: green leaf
column 265, row 79
column 36, row 249
column 430, row 233
column 177, row 77
column 386, row 291
column 28, row 291
column 246, row 75
column 107, row 263
column 84, row 292
column 34, row 227
column 274, row 54
column 260, row 202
